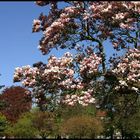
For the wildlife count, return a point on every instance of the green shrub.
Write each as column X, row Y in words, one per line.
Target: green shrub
column 81, row 127
column 23, row 128
column 3, row 125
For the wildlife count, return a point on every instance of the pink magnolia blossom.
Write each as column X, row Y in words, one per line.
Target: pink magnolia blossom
column 72, row 16
column 128, row 68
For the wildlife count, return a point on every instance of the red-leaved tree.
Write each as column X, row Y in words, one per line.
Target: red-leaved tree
column 14, row 102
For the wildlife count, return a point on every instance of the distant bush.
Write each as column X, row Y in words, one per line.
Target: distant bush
column 81, row 127
column 23, row 128
column 45, row 123
column 3, row 125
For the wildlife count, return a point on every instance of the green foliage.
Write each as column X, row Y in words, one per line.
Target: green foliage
column 34, row 124
column 3, row 125
column 131, row 125
column 65, row 111
column 78, row 121
column 125, row 116
column 45, row 123
column 81, row 127
column 23, row 128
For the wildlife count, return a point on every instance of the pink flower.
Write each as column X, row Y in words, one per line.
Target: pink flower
column 71, row 103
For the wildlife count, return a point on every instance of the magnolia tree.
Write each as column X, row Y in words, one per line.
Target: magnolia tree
column 86, row 77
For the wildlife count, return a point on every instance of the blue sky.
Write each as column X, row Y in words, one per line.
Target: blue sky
column 18, row 45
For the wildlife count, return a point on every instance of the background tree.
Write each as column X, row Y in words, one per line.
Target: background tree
column 34, row 124
column 15, row 102
column 81, row 127
column 23, row 128
column 65, row 113
column 3, row 125
column 45, row 123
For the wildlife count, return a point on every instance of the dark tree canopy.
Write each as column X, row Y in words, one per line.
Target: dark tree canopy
column 14, row 101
